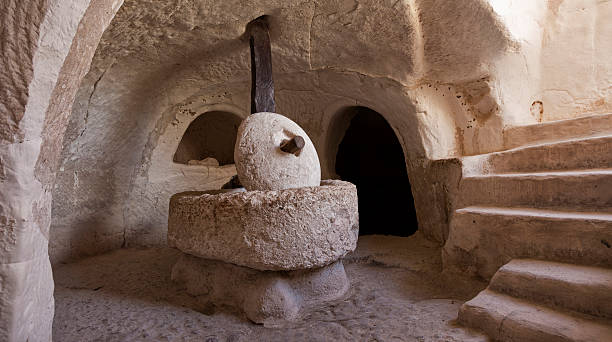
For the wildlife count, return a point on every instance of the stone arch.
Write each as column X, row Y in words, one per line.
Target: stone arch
column 161, row 176
column 425, row 128
column 368, row 153
column 61, row 38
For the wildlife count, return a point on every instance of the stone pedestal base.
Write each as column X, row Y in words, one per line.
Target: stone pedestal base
column 266, row 297
column 284, row 230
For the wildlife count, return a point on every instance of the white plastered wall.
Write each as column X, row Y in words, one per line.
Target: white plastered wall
column 575, row 60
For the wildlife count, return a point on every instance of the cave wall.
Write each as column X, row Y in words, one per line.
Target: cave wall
column 162, row 63
column 575, row 60
column 448, row 76
column 47, row 47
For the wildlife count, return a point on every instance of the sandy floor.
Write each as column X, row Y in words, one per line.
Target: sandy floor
column 397, row 294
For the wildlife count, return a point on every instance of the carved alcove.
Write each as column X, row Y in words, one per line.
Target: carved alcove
column 210, row 135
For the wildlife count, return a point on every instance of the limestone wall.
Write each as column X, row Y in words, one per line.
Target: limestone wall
column 576, row 65
column 449, row 76
column 47, row 47
column 162, row 63
column 564, row 69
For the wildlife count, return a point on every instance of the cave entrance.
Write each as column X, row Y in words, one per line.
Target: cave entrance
column 210, row 135
column 371, row 157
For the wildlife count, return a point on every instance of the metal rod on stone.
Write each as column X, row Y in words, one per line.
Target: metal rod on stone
column 262, row 86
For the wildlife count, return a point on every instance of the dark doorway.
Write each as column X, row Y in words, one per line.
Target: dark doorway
column 371, row 157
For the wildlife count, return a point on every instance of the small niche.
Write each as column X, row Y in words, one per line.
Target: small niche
column 210, row 135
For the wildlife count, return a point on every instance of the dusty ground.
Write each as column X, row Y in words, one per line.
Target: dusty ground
column 397, row 294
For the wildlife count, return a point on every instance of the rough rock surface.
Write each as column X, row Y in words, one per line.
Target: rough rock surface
column 46, row 49
column 537, row 300
column 261, row 164
column 396, row 294
column 266, row 297
column 159, row 57
column 268, row 230
column 549, row 199
column 162, row 63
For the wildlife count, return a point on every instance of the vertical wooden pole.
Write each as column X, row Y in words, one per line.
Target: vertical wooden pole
column 262, row 85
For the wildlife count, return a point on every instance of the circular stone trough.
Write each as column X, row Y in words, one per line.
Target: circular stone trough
column 291, row 229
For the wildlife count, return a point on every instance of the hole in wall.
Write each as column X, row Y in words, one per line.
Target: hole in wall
column 371, row 157
column 537, row 110
column 210, row 135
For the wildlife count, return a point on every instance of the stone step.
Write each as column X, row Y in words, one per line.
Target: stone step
column 505, row 318
column 598, row 124
column 574, row 154
column 590, row 189
column 482, row 239
column 584, row 289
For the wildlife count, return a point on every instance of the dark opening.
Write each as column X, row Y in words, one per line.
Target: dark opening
column 371, row 157
column 211, row 134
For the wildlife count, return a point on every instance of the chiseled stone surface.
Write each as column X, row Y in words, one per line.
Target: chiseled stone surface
column 46, row 53
column 396, row 294
column 162, row 63
column 584, row 289
column 538, row 300
column 261, row 164
column 266, row 297
column 268, row 230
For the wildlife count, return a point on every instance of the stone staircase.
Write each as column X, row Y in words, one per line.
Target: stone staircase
column 549, row 199
column 532, row 300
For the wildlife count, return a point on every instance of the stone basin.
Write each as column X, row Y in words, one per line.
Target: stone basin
column 291, row 229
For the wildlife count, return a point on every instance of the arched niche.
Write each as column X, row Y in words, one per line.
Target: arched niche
column 210, row 135
column 369, row 155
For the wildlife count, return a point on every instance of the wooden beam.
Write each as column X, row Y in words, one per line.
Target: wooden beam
column 262, row 85
column 293, row 145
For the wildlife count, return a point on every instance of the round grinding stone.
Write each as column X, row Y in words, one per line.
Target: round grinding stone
column 260, row 162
